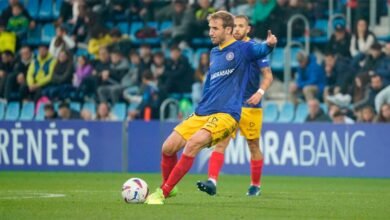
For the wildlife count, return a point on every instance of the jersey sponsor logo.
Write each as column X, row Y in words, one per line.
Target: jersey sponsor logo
column 221, row 73
column 230, row 56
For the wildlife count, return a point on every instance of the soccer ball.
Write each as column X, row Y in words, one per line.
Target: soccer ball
column 135, row 190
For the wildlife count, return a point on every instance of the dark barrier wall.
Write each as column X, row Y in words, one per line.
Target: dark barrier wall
column 70, row 146
column 289, row 149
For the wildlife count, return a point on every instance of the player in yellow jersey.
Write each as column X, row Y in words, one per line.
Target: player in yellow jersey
column 251, row 119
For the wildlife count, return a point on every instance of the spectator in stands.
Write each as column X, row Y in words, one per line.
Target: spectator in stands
column 16, row 81
column 49, row 112
column 66, row 113
column 310, row 78
column 6, row 68
column 7, row 39
column 61, row 83
column 182, row 19
column 81, row 22
column 382, row 97
column 261, row 17
column 147, row 98
column 340, row 40
column 245, row 9
column 103, row 112
column 145, row 52
column 362, row 39
column 119, row 42
column 180, row 74
column 111, row 87
column 296, row 7
column 83, row 70
column 201, row 17
column 158, row 69
column 279, row 17
column 200, row 74
column 66, row 12
column 40, row 73
column 375, row 87
column 316, row 114
column 99, row 38
column 86, row 115
column 8, row 13
column 367, row 114
column 340, row 118
column 374, row 63
column 339, row 74
column 61, row 42
column 384, row 114
column 18, row 22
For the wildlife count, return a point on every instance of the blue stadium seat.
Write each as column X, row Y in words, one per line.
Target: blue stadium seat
column 322, row 26
column 324, row 107
column 12, row 112
column 132, row 107
column 46, row 10
column 123, row 27
column 119, row 110
column 32, row 8
column 294, row 61
column 2, row 110
column 189, row 53
column 34, row 36
column 277, row 59
column 90, row 106
column 48, row 32
column 57, row 8
column 3, row 4
column 286, row 113
column 75, row 106
column 197, row 55
column 165, row 25
column 201, row 41
column 27, row 111
column 153, row 40
column 40, row 115
column 301, row 113
column 270, row 112
column 82, row 52
column 135, row 26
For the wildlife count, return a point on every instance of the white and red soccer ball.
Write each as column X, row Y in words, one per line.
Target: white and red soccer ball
column 135, row 190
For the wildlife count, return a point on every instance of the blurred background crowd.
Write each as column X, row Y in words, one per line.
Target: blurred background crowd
column 144, row 59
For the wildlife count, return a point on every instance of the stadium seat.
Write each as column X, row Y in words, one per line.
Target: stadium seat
column 90, row 106
column 33, row 8
column 2, row 109
column 12, row 112
column 277, row 59
column 34, row 36
column 132, row 107
column 189, row 53
column 119, row 110
column 135, row 26
column 3, row 4
column 75, row 106
column 48, row 32
column 301, row 113
column 324, row 107
column 294, row 61
column 57, row 8
column 320, row 26
column 40, row 114
column 165, row 25
column 82, row 52
column 286, row 113
column 123, row 27
column 46, row 10
column 270, row 112
column 27, row 111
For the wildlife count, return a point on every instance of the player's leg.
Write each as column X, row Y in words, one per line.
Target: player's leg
column 198, row 141
column 169, row 150
column 256, row 167
column 215, row 165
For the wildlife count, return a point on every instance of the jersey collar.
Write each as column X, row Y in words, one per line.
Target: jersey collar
column 226, row 44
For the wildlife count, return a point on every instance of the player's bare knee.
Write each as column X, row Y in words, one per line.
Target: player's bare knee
column 192, row 147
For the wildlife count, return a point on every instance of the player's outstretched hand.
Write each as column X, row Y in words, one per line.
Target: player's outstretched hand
column 271, row 39
column 254, row 99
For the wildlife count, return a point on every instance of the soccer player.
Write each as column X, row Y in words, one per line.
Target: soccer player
column 219, row 110
column 250, row 122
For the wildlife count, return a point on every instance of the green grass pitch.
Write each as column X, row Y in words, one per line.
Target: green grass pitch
column 97, row 196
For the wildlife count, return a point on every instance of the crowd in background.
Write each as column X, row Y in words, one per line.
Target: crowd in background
column 352, row 79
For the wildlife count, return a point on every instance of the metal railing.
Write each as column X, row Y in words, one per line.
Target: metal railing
column 290, row 43
column 173, row 107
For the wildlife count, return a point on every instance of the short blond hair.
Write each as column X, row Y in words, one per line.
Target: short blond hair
column 226, row 17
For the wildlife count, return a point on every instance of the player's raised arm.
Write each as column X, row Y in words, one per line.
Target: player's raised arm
column 257, row 51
